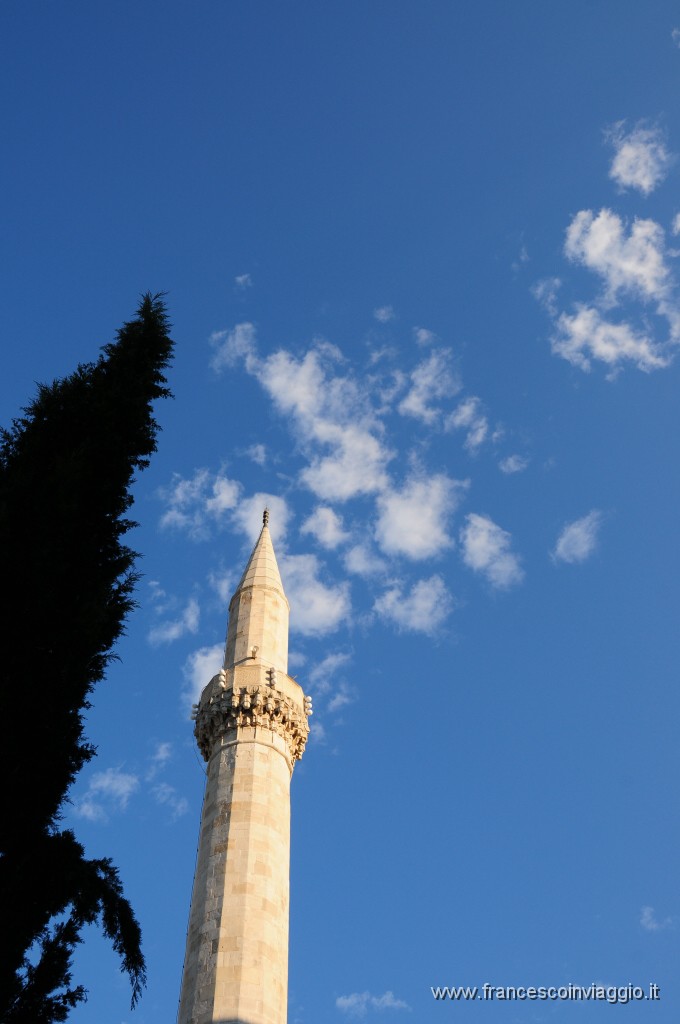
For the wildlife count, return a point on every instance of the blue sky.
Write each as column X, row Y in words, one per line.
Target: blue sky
column 422, row 264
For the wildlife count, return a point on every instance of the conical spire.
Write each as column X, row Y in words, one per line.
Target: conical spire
column 258, row 611
column 262, row 568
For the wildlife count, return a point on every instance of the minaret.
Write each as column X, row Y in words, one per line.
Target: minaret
column 251, row 727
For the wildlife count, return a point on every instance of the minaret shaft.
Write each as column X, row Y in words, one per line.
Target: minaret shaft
column 237, row 948
column 251, row 726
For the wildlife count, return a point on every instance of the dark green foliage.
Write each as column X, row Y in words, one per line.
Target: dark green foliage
column 65, row 472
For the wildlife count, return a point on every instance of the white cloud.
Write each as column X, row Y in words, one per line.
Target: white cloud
column 183, row 498
column 158, row 760
column 413, row 521
column 107, row 791
column 247, row 516
column 650, row 922
column 424, row 337
column 421, row 610
column 432, row 379
column 198, row 670
column 321, row 675
column 358, row 1003
column 383, row 314
column 675, row 227
column 258, row 453
column 157, row 595
column 322, row 684
column 486, row 549
column 243, row 281
column 225, row 495
column 578, row 540
column 675, row 36
column 296, row 659
column 356, row 466
column 513, row 464
column 332, row 414
column 162, row 753
column 362, row 561
column 194, row 503
column 632, row 263
column 224, row 583
column 545, row 291
column 91, row 810
column 340, row 698
column 168, row 796
column 114, row 784
column 298, row 386
column 326, row 526
column 586, row 334
column 232, row 346
column 641, row 157
column 166, row 632
column 468, row 416
column 317, row 733
column 316, row 608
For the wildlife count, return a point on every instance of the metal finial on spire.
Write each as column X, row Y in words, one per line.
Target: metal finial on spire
column 265, row 517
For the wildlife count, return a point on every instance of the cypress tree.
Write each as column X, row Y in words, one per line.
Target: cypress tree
column 66, row 470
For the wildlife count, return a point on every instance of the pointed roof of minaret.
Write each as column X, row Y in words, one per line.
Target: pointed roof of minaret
column 262, row 568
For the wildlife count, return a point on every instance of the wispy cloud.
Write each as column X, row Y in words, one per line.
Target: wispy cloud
column 258, row 454
column 173, row 629
column 513, row 464
column 242, row 282
column 158, row 760
column 641, row 156
column 168, row 796
column 195, row 503
column 424, row 337
column 358, row 1003
column 317, row 732
column 321, row 676
column 332, row 412
column 578, row 539
column 431, row 380
column 230, row 346
column 651, row 923
column 198, row 669
column 545, row 291
column 468, row 415
column 107, row 792
column 340, row 698
column 422, row 609
column 486, row 549
column 383, row 314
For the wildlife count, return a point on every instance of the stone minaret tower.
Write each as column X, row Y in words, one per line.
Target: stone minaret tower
column 251, row 727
